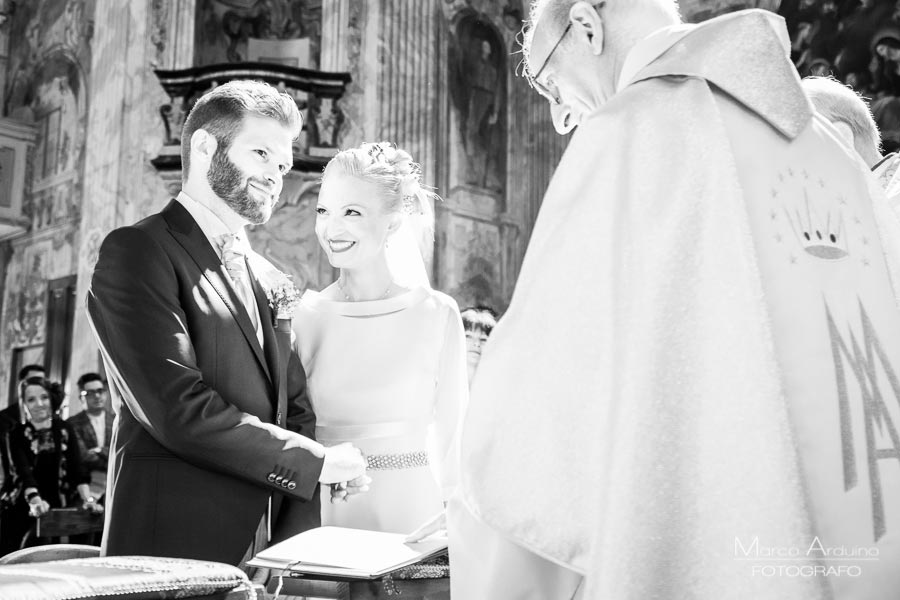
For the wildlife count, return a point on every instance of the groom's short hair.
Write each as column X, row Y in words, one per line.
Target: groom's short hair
column 220, row 112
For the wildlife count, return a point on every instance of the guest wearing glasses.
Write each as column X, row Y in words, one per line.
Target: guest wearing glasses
column 93, row 428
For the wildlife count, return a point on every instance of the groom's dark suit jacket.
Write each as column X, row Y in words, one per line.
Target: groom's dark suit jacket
column 205, row 424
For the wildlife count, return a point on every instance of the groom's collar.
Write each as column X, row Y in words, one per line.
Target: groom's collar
column 210, row 222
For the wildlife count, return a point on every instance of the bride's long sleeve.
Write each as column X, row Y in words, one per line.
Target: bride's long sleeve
column 451, row 397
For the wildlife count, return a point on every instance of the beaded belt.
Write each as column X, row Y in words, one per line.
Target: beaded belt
column 406, row 460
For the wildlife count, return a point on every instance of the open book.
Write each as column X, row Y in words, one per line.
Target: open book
column 347, row 553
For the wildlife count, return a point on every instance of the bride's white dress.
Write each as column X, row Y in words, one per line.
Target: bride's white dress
column 388, row 376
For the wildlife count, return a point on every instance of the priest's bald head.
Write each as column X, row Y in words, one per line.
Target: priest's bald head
column 574, row 50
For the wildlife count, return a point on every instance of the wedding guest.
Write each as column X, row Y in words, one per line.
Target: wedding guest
column 701, row 347
column 853, row 120
column 93, row 427
column 478, row 322
column 383, row 351
column 48, row 471
column 12, row 527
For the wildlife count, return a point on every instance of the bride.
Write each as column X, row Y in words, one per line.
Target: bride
column 384, row 353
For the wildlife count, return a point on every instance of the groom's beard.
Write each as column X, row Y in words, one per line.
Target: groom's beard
column 229, row 183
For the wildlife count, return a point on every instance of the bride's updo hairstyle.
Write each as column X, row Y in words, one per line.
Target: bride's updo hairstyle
column 399, row 181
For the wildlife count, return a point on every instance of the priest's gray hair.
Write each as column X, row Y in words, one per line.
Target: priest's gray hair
column 557, row 11
column 838, row 102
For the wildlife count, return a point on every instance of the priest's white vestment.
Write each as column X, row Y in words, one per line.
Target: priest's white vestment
column 694, row 392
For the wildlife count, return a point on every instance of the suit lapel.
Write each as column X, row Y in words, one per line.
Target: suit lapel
column 268, row 330
column 87, row 431
column 189, row 235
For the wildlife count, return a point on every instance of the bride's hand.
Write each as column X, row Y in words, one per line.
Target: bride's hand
column 343, row 491
column 436, row 523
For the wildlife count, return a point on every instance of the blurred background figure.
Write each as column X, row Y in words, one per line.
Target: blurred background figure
column 478, row 322
column 850, row 115
column 12, row 529
column 93, row 428
column 47, row 471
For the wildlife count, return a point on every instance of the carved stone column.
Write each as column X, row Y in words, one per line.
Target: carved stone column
column 120, row 185
column 336, row 33
column 391, row 49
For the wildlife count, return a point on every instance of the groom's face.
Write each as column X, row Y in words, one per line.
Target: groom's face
column 248, row 174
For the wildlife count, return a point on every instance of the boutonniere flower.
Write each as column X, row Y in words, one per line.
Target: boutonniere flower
column 283, row 295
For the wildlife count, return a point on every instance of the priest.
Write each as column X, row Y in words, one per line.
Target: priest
column 694, row 392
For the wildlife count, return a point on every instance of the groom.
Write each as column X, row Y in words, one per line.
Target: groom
column 213, row 453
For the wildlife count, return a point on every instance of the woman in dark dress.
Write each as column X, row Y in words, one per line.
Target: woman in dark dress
column 46, row 462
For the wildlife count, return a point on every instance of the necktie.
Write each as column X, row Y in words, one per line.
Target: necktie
column 234, row 258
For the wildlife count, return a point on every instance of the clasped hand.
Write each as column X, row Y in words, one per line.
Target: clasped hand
column 345, row 471
column 37, row 507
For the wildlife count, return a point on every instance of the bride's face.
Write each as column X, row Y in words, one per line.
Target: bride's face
column 351, row 224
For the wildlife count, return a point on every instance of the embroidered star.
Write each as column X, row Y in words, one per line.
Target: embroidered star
column 805, row 174
column 857, row 221
column 793, row 259
column 821, row 183
column 865, row 262
column 865, row 241
column 778, row 238
column 842, row 201
column 781, row 177
column 774, row 193
column 790, row 172
column 773, row 215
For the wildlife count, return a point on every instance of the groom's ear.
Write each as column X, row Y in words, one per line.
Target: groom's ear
column 203, row 146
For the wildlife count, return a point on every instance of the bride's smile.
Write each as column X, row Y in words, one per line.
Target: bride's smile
column 340, row 245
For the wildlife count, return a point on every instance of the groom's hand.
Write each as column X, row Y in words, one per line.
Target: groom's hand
column 343, row 463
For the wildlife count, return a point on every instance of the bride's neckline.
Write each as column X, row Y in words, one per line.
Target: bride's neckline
column 365, row 308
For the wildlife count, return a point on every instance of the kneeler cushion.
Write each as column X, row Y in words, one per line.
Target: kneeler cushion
column 131, row 577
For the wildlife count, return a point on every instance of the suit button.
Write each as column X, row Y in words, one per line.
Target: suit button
column 279, row 479
column 284, row 483
column 291, row 485
column 271, row 477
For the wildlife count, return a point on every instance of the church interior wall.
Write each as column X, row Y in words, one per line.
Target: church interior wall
column 440, row 78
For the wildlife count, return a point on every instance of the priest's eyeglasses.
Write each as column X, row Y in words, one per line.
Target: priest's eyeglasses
column 552, row 96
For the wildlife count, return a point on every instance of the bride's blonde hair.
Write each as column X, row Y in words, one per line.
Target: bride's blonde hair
column 398, row 179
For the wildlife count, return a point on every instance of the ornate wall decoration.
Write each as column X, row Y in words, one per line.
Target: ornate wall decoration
column 857, row 43
column 159, row 28
column 49, row 46
column 476, row 256
column 289, row 238
column 25, row 303
column 224, row 27
column 477, row 69
column 49, row 55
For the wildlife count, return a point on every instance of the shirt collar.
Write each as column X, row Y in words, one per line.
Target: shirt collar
column 212, row 224
column 649, row 49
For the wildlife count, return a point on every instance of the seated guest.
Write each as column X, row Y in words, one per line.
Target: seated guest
column 12, row 529
column 478, row 322
column 46, row 464
column 850, row 115
column 93, row 428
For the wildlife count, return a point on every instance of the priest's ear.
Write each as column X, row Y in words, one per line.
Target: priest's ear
column 587, row 25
